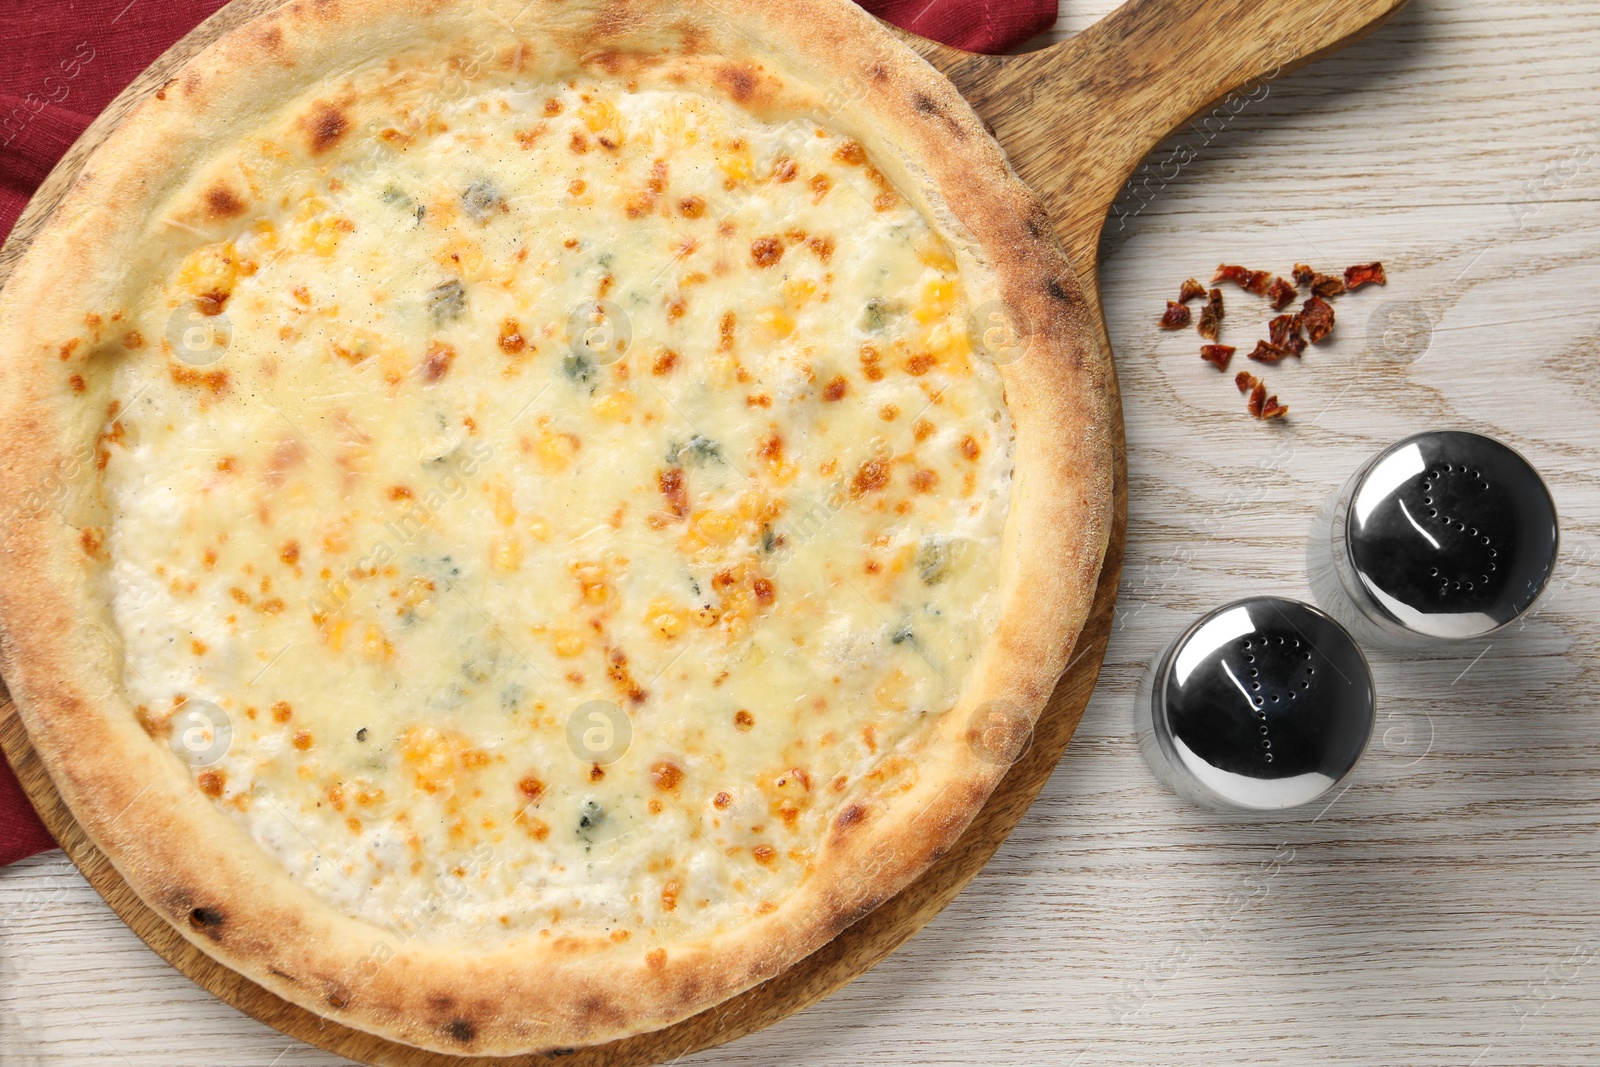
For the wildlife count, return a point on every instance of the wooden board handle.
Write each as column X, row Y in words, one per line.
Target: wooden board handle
column 1078, row 116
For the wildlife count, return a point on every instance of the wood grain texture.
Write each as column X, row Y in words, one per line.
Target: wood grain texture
column 1441, row 911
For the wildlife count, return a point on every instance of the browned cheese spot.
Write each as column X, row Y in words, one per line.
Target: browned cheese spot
column 437, row 363
column 765, row 251
column 511, row 339
column 872, row 476
column 666, row 775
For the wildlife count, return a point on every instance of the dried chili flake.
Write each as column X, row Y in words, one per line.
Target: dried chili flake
column 1323, row 285
column 1281, row 329
column 1218, row 355
column 1191, row 289
column 1317, row 317
column 1256, row 281
column 1294, row 344
column 1258, row 399
column 1281, row 293
column 1245, row 381
column 1271, row 409
column 1211, row 316
column 1364, row 274
column 1176, row 317
column 1267, row 352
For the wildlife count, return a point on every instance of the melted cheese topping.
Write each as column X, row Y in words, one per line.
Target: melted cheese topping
column 586, row 501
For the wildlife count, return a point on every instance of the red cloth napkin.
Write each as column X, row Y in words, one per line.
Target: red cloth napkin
column 62, row 62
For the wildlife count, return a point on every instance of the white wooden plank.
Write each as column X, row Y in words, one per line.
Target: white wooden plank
column 1441, row 911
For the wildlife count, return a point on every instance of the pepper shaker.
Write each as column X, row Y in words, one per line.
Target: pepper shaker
column 1263, row 704
column 1444, row 536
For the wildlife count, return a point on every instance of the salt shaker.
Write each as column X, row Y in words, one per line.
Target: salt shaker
column 1262, row 704
column 1442, row 537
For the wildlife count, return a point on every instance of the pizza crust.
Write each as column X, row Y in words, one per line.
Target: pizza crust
column 198, row 869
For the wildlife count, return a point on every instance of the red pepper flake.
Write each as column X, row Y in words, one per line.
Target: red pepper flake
column 1255, row 281
column 1191, row 289
column 1317, row 317
column 1282, row 329
column 1211, row 316
column 1260, row 405
column 1267, row 352
column 1324, row 285
column 1219, row 355
column 1294, row 344
column 1281, row 293
column 1364, row 274
column 1176, row 317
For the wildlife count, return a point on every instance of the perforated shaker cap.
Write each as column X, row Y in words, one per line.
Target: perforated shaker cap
column 1264, row 703
column 1450, row 534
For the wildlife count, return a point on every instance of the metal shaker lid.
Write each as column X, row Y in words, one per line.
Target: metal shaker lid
column 1264, row 703
column 1450, row 534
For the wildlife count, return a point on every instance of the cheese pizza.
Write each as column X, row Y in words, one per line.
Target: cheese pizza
column 524, row 521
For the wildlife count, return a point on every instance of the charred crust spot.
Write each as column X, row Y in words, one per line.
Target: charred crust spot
column 878, row 72
column 326, row 125
column 462, row 1031
column 600, row 1009
column 1059, row 291
column 739, row 81
column 223, row 203
column 207, row 920
column 291, row 979
column 849, row 817
column 925, row 104
column 1038, row 223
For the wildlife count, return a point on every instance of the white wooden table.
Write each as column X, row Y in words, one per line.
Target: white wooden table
column 1445, row 908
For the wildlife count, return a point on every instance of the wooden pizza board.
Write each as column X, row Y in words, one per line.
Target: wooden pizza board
column 1075, row 119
